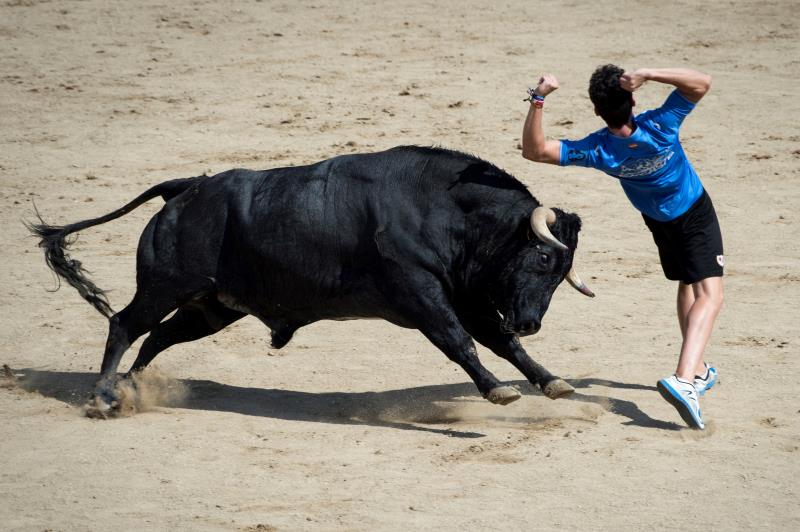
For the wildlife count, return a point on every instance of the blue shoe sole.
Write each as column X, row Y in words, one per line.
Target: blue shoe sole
column 670, row 396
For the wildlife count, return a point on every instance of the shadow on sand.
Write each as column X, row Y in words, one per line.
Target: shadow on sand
column 406, row 409
column 620, row 407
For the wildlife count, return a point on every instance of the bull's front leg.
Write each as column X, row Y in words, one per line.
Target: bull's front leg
column 461, row 350
column 551, row 386
column 427, row 308
column 486, row 330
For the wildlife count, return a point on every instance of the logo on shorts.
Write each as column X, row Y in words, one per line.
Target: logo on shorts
column 721, row 260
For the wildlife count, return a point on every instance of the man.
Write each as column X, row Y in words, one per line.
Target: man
column 645, row 154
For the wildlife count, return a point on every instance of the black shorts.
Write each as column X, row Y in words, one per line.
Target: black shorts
column 690, row 246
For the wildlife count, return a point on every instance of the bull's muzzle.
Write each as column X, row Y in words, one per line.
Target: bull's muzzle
column 528, row 329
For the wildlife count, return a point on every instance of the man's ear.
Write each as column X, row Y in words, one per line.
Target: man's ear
column 633, row 101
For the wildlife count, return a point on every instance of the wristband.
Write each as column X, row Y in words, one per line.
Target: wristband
column 534, row 98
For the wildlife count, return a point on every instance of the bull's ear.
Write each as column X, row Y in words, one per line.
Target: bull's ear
column 570, row 219
column 568, row 226
column 577, row 222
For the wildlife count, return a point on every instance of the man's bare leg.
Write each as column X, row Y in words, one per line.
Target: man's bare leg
column 698, row 307
column 685, row 302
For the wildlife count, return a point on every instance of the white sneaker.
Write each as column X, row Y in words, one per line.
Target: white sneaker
column 707, row 381
column 683, row 396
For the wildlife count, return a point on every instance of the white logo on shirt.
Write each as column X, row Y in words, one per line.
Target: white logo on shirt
column 644, row 166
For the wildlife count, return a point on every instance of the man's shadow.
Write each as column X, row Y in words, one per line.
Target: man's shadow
column 418, row 408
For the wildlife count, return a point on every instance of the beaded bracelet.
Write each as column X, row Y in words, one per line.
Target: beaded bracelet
column 536, row 99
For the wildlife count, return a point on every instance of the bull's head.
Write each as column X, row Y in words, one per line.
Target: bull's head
column 540, row 264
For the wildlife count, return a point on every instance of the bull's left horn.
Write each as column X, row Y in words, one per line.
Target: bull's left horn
column 540, row 219
column 577, row 284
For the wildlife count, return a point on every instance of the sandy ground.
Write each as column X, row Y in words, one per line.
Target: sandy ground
column 361, row 425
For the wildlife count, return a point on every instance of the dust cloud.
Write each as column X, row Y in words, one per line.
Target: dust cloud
column 149, row 389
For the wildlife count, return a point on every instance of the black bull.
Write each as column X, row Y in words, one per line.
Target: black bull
column 426, row 238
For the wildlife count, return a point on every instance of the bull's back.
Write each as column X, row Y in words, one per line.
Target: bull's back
column 306, row 237
column 289, row 237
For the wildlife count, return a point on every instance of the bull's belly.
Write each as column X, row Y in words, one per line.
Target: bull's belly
column 332, row 309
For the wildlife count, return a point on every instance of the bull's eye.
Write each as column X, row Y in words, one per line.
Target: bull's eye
column 544, row 260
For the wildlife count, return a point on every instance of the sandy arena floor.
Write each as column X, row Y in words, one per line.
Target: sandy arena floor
column 361, row 425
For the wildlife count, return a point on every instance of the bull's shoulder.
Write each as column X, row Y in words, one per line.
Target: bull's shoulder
column 455, row 168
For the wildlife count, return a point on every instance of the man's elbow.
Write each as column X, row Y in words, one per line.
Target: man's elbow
column 705, row 84
column 702, row 86
column 532, row 154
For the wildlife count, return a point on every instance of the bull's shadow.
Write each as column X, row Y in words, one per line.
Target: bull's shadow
column 419, row 408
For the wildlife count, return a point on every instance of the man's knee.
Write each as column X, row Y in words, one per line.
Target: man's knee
column 717, row 293
column 719, row 297
column 711, row 292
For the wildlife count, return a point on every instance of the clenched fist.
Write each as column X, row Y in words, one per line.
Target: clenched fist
column 547, row 84
column 630, row 81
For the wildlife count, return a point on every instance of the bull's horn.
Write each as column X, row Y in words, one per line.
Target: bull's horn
column 540, row 219
column 577, row 284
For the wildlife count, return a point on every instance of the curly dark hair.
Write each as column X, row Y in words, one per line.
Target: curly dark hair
column 613, row 103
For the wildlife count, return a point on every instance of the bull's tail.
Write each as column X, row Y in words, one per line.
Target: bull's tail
column 55, row 244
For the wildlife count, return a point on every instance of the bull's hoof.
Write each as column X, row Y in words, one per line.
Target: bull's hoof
column 502, row 395
column 101, row 406
column 557, row 388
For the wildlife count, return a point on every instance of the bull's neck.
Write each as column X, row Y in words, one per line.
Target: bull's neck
column 492, row 234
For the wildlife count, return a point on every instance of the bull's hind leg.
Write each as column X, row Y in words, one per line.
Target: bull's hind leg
column 194, row 320
column 148, row 307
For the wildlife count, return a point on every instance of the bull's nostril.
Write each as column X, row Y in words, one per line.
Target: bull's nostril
column 528, row 328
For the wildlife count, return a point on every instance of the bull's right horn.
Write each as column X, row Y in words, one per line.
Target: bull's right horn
column 540, row 219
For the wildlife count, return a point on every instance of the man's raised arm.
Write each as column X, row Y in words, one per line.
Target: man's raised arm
column 534, row 145
column 693, row 85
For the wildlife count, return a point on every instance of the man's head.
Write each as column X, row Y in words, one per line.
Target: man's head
column 611, row 102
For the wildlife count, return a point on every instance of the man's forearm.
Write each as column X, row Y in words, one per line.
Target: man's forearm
column 691, row 83
column 533, row 140
column 535, row 147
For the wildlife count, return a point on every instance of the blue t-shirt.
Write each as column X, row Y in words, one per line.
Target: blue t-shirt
column 650, row 164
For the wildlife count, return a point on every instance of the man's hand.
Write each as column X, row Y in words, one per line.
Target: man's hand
column 547, row 84
column 630, row 81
